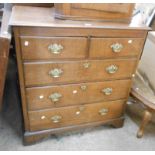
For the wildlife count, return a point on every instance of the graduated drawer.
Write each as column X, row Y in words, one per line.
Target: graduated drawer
column 115, row 47
column 65, row 95
column 44, row 73
column 74, row 115
column 37, row 48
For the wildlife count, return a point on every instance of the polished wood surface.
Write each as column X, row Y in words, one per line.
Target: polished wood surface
column 123, row 8
column 4, row 51
column 40, row 47
column 3, row 65
column 88, row 31
column 94, row 11
column 38, row 97
column 44, row 17
column 37, row 73
column 21, row 79
column 101, row 47
column 98, row 47
column 146, row 119
column 40, row 120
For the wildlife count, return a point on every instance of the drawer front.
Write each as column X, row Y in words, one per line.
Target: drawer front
column 115, row 47
column 77, row 71
column 74, row 115
column 53, row 47
column 65, row 95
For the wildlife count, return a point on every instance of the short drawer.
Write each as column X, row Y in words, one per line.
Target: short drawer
column 39, row 48
column 45, row 73
column 115, row 47
column 74, row 115
column 72, row 94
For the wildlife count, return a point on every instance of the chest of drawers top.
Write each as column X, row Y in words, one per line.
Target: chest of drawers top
column 44, row 17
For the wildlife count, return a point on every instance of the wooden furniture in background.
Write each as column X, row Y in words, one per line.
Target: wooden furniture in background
column 143, row 88
column 5, row 38
column 93, row 11
column 34, row 4
column 142, row 91
column 73, row 74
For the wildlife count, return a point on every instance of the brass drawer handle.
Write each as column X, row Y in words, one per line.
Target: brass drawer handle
column 103, row 111
column 56, row 118
column 83, row 87
column 55, row 48
column 107, row 91
column 55, row 73
column 112, row 69
column 55, row 97
column 86, row 65
column 117, row 47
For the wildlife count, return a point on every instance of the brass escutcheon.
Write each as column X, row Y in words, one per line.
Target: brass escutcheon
column 107, row 91
column 55, row 48
column 117, row 47
column 56, row 118
column 103, row 111
column 112, row 69
column 55, row 73
column 55, row 97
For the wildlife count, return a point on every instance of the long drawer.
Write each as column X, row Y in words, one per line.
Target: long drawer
column 115, row 47
column 37, row 48
column 74, row 115
column 72, row 94
column 44, row 73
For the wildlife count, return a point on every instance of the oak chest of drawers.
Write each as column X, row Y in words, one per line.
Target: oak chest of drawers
column 73, row 74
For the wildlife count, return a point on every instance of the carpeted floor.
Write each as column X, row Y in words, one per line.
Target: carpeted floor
column 101, row 138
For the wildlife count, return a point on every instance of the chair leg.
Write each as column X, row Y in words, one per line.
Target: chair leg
column 146, row 118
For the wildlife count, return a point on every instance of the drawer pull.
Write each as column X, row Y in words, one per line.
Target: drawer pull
column 83, row 87
column 117, row 47
column 86, row 65
column 103, row 111
column 112, row 69
column 55, row 97
column 107, row 91
column 55, row 73
column 78, row 112
column 43, row 117
column 56, row 118
column 26, row 43
column 55, row 48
